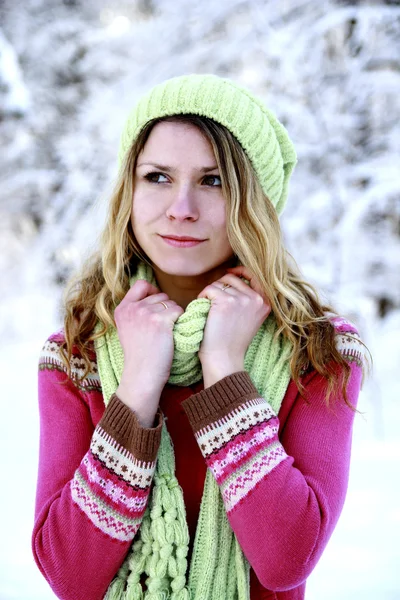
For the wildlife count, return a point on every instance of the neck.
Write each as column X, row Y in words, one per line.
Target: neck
column 184, row 289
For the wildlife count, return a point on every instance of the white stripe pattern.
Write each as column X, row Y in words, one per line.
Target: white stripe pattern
column 261, row 437
column 111, row 522
column 51, row 355
column 242, row 418
column 239, row 484
column 112, row 490
column 122, row 462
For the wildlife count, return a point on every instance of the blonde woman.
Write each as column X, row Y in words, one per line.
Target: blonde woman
column 197, row 408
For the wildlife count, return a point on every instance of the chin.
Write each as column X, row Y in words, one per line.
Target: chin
column 183, row 266
column 184, row 270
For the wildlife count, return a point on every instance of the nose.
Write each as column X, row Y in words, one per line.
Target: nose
column 183, row 206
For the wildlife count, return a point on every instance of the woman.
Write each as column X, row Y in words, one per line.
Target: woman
column 190, row 325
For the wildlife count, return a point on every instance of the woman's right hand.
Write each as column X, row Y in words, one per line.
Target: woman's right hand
column 145, row 329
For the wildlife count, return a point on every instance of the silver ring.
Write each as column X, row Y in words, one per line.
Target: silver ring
column 163, row 304
column 225, row 285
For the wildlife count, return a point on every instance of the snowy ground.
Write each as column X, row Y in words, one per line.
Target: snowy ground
column 361, row 561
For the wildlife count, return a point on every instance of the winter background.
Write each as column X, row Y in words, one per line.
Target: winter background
column 69, row 72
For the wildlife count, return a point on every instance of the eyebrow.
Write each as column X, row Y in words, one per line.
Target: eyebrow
column 168, row 169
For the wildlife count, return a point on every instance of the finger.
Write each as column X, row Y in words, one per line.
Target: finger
column 171, row 309
column 156, row 298
column 140, row 290
column 241, row 271
column 159, row 300
column 234, row 286
column 214, row 290
column 236, row 282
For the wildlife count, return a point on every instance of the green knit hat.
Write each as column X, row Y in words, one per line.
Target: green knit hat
column 259, row 132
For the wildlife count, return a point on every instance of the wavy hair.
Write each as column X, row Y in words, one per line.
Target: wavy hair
column 255, row 236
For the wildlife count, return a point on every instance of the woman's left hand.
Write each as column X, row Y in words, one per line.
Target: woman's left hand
column 236, row 314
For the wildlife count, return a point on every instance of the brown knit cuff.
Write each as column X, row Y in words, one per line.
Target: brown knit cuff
column 121, row 423
column 218, row 400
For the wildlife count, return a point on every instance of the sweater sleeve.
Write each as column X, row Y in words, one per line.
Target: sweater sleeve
column 283, row 495
column 93, row 483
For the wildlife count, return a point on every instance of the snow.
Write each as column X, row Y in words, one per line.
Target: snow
column 69, row 73
column 15, row 99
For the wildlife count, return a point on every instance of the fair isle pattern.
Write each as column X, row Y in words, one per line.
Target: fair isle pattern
column 50, row 358
column 241, row 418
column 118, row 492
column 101, row 514
column 236, row 452
column 245, row 479
column 341, row 322
column 112, row 487
column 349, row 345
column 348, row 341
column 119, row 460
column 241, row 448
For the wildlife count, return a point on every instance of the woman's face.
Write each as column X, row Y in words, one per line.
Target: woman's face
column 178, row 192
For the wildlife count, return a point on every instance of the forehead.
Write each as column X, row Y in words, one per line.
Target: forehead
column 171, row 137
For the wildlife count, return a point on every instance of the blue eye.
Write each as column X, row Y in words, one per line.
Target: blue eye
column 153, row 177
column 212, row 180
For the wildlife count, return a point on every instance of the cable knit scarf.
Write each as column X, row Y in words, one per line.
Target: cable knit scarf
column 218, row 568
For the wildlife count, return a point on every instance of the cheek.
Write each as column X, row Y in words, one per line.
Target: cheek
column 218, row 219
column 141, row 213
column 138, row 221
column 134, row 219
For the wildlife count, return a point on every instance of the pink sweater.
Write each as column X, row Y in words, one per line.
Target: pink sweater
column 283, row 478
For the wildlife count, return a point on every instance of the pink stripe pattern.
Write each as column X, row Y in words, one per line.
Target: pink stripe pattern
column 241, row 448
column 100, row 514
column 238, row 451
column 245, row 479
column 112, row 487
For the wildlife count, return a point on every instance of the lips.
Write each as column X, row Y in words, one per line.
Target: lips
column 182, row 242
column 183, row 238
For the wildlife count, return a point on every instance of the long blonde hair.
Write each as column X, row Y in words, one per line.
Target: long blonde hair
column 255, row 236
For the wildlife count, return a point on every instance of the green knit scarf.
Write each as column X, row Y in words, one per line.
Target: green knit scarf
column 218, row 568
